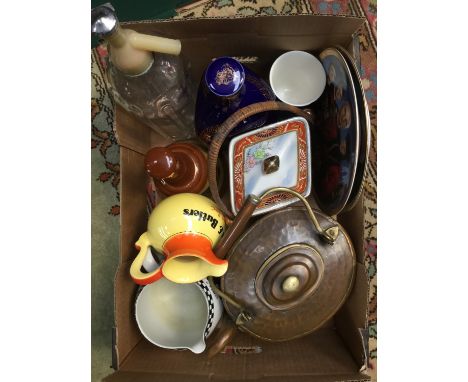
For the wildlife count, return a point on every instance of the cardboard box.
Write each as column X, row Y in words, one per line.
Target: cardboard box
column 337, row 351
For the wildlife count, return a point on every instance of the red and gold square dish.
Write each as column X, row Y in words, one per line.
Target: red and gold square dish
column 277, row 155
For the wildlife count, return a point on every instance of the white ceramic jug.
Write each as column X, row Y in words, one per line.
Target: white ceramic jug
column 178, row 316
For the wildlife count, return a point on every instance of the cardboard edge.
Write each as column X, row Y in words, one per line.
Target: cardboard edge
column 140, row 376
column 355, row 50
column 349, row 317
column 353, row 222
column 115, row 353
column 117, row 359
column 365, row 344
column 125, row 152
column 351, row 323
column 161, row 21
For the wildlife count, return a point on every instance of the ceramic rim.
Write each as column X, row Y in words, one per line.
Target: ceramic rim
column 346, row 195
column 320, row 80
column 365, row 132
column 139, row 293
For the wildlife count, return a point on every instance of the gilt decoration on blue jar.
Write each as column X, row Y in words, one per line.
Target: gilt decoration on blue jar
column 226, row 87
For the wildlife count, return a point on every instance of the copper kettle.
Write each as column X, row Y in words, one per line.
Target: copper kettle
column 284, row 279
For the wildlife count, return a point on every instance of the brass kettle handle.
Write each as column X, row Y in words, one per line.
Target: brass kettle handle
column 329, row 234
column 244, row 314
column 234, row 230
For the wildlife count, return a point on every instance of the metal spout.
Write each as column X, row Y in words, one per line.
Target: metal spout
column 104, row 21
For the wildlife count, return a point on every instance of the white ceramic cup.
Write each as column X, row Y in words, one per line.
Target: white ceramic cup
column 297, row 78
column 178, row 316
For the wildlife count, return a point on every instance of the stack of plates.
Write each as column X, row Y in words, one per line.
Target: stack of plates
column 341, row 135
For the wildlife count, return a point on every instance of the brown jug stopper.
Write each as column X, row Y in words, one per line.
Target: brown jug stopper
column 160, row 163
column 179, row 167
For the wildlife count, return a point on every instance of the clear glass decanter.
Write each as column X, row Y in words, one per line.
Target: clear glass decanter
column 147, row 76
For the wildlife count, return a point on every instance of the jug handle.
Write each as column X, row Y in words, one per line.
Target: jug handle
column 138, row 276
column 227, row 126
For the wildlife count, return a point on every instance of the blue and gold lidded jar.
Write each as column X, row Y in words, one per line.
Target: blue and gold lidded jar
column 226, row 87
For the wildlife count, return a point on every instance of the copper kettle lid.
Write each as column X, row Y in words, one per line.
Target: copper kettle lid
column 287, row 276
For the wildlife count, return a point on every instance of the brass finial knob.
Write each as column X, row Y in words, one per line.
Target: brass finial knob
column 290, row 284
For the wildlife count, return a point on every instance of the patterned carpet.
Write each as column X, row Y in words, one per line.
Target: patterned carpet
column 105, row 171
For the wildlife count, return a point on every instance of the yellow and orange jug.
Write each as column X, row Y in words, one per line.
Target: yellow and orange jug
column 184, row 228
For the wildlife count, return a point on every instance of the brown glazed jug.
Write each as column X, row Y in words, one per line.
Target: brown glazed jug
column 178, row 168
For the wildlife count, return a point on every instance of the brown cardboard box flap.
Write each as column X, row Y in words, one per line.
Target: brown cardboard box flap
column 320, row 356
column 351, row 320
column 262, row 25
column 133, row 212
column 353, row 221
column 133, row 218
column 133, row 376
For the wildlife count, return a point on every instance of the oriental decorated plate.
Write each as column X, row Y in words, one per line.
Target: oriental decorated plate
column 335, row 136
column 364, row 131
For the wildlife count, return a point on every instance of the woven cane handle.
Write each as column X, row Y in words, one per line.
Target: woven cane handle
column 227, row 126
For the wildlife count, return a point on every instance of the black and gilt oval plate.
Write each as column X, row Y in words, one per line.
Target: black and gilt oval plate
column 335, row 135
column 364, row 131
